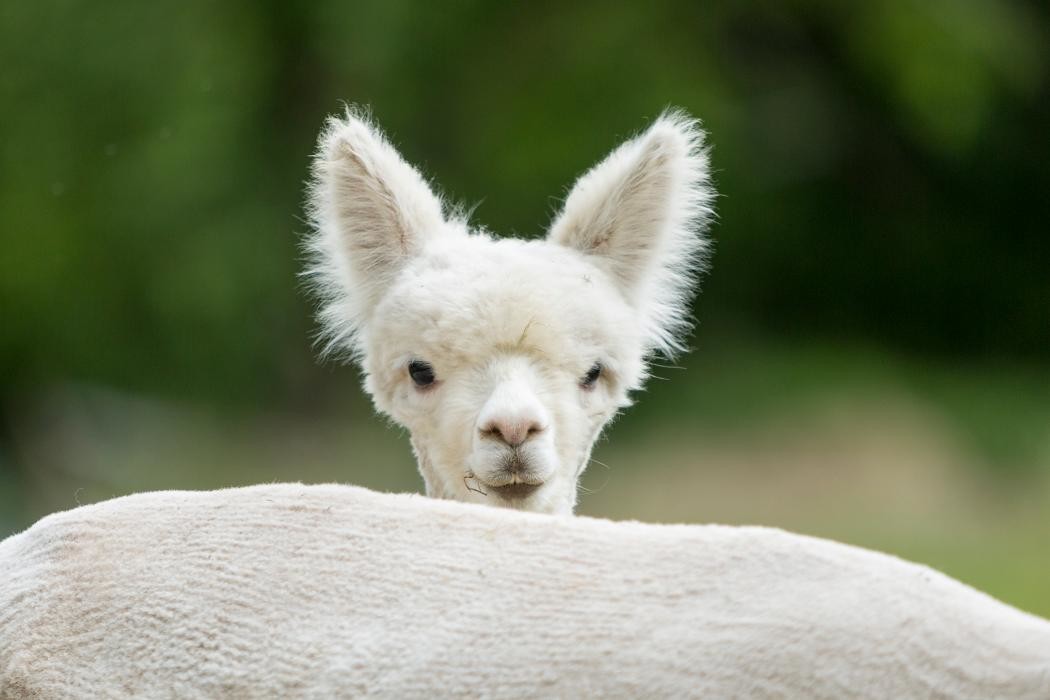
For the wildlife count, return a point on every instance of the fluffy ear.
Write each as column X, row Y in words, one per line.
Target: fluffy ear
column 371, row 212
column 641, row 214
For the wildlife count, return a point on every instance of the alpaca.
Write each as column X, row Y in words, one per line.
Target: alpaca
column 505, row 359
column 292, row 591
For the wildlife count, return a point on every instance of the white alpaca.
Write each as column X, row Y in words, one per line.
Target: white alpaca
column 291, row 591
column 506, row 358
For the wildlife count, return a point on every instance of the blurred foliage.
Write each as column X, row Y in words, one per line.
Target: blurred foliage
column 882, row 165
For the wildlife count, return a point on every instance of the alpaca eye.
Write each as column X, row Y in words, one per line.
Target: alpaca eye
column 592, row 375
column 421, row 372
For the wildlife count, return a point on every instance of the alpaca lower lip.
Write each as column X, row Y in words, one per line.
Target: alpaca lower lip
column 512, row 492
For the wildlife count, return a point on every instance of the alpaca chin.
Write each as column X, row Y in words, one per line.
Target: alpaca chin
column 516, row 491
column 554, row 496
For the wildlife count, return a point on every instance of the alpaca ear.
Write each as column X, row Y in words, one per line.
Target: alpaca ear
column 371, row 213
column 640, row 214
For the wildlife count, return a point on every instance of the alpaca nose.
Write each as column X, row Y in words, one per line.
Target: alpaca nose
column 512, row 431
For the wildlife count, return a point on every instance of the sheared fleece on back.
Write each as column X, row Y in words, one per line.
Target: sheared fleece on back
column 332, row 591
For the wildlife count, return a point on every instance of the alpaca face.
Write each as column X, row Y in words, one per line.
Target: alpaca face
column 505, row 358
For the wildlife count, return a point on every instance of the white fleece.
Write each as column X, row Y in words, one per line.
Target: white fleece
column 333, row 591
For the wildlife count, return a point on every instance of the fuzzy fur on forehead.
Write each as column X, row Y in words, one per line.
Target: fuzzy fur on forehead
column 630, row 236
column 471, row 297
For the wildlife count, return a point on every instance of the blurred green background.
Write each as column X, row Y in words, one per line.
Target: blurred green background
column 872, row 361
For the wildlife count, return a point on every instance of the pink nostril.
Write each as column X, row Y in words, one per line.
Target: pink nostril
column 512, row 432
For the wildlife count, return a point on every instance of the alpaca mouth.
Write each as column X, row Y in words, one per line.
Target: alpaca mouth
column 512, row 487
column 514, row 492
column 513, row 480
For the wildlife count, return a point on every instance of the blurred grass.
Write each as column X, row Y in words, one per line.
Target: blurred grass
column 1000, row 410
column 860, row 446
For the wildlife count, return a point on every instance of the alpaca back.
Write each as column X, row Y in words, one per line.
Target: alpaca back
column 331, row 591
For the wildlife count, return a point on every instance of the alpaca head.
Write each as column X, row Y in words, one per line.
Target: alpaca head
column 505, row 358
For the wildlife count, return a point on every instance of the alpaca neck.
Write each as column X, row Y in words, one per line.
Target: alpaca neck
column 432, row 479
